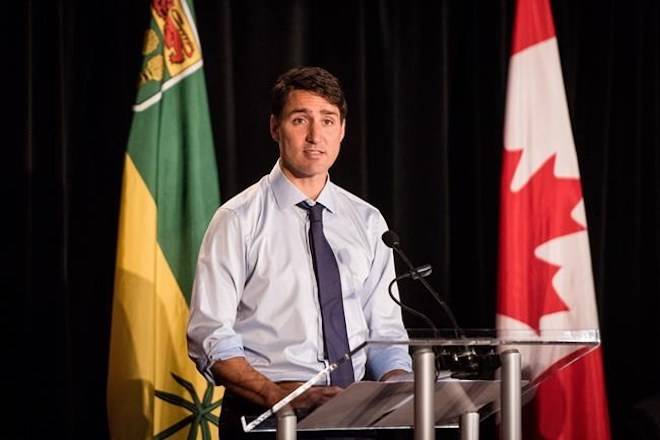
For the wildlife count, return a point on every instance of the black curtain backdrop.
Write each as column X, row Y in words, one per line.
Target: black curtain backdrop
column 425, row 83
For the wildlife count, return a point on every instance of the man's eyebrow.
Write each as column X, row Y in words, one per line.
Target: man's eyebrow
column 300, row 110
column 308, row 111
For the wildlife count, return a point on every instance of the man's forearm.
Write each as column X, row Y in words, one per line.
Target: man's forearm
column 240, row 378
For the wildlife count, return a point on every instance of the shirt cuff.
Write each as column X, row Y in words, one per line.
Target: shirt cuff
column 384, row 359
column 219, row 355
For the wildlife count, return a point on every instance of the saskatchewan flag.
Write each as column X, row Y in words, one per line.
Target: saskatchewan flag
column 169, row 192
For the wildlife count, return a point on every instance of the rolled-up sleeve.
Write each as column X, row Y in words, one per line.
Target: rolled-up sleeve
column 383, row 315
column 217, row 288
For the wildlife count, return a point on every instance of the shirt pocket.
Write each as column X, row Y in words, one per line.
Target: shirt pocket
column 354, row 267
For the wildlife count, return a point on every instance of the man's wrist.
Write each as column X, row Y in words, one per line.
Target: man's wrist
column 392, row 373
column 273, row 393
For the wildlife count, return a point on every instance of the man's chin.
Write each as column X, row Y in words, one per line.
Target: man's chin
column 308, row 171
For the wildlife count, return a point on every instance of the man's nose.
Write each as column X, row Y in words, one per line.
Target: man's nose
column 313, row 133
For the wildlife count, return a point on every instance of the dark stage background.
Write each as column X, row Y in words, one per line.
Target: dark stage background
column 425, row 84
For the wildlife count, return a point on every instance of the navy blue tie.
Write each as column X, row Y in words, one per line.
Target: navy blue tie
column 330, row 297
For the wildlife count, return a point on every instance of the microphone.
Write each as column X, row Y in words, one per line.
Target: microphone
column 391, row 240
column 465, row 363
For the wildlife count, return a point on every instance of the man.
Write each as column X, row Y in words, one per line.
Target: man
column 271, row 300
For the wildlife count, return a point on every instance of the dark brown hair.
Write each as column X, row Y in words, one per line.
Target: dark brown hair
column 312, row 79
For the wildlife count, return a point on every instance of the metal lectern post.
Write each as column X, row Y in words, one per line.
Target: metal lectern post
column 469, row 426
column 286, row 424
column 511, row 395
column 424, row 368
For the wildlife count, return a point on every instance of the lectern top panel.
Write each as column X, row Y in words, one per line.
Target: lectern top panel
column 494, row 337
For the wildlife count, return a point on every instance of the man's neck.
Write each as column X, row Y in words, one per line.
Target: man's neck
column 310, row 186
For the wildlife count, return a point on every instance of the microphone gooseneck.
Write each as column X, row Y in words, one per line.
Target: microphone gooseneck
column 408, row 308
column 391, row 240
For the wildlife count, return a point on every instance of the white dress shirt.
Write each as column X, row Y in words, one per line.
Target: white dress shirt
column 255, row 293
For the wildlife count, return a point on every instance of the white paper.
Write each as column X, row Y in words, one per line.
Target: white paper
column 391, row 404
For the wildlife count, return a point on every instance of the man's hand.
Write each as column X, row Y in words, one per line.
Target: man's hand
column 313, row 397
column 239, row 377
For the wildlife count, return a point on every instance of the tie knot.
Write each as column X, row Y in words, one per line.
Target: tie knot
column 315, row 211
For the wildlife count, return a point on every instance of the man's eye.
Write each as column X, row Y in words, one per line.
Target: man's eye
column 298, row 121
column 328, row 122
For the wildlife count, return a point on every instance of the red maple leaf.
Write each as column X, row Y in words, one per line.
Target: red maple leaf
column 537, row 213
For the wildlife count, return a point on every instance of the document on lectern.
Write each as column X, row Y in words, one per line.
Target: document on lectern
column 391, row 404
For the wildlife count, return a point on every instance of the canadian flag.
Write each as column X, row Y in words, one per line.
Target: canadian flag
column 545, row 280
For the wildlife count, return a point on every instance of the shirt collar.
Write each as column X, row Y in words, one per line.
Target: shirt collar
column 287, row 194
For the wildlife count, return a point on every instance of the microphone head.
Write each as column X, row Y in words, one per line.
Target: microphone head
column 391, row 239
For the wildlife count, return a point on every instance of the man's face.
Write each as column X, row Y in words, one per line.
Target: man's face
column 309, row 132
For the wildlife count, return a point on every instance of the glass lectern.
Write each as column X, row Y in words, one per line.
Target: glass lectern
column 460, row 378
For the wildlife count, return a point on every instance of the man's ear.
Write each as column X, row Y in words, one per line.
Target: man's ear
column 274, row 128
column 343, row 129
